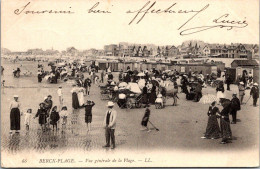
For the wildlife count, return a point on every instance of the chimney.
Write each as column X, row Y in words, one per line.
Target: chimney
column 249, row 55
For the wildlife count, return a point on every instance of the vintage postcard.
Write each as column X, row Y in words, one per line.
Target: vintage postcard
column 141, row 83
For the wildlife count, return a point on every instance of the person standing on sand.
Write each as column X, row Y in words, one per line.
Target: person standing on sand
column 212, row 130
column 60, row 94
column 241, row 90
column 75, row 101
column 110, row 125
column 15, row 116
column 235, row 106
column 254, row 93
column 88, row 113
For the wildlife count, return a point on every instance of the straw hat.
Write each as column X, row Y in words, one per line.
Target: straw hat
column 110, row 104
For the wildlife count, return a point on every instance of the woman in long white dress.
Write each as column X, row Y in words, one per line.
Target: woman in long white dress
column 81, row 96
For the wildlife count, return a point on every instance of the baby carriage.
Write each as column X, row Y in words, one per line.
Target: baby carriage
column 134, row 100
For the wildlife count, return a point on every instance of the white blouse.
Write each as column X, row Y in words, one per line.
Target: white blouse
column 14, row 104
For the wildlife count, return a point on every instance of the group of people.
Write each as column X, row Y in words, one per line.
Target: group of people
column 213, row 131
column 230, row 107
column 152, row 85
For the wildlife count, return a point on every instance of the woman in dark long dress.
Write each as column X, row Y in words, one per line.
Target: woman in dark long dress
column 212, row 130
column 75, row 101
column 145, row 99
column 153, row 95
column 15, row 116
column 42, row 114
column 226, row 132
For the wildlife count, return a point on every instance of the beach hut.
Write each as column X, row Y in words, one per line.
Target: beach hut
column 128, row 65
column 113, row 64
column 102, row 64
column 121, row 66
column 232, row 73
column 154, row 65
column 256, row 74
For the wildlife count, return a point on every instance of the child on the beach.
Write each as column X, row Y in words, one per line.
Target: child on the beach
column 55, row 117
column 159, row 102
column 146, row 119
column 42, row 114
column 64, row 116
column 27, row 118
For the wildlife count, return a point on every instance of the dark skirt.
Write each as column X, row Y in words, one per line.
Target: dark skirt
column 225, row 128
column 15, row 119
column 212, row 130
column 75, row 101
column 145, row 99
column 152, row 98
column 88, row 118
column 42, row 119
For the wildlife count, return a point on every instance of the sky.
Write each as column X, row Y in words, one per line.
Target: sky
column 85, row 30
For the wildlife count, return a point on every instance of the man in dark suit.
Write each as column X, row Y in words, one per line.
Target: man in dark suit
column 228, row 81
column 235, row 106
column 87, row 85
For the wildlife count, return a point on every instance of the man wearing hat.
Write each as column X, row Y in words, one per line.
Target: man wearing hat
column 235, row 106
column 241, row 90
column 254, row 93
column 110, row 125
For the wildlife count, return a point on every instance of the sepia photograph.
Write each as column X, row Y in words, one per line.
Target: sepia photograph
column 109, row 83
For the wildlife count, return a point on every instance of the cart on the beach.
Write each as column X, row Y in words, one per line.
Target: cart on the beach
column 134, row 100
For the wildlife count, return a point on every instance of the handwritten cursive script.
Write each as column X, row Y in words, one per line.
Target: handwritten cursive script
column 94, row 10
column 146, row 9
column 222, row 22
column 18, row 11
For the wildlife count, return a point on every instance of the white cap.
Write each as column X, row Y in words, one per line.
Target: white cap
column 159, row 95
column 109, row 104
column 241, row 83
column 16, row 96
column 255, row 84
